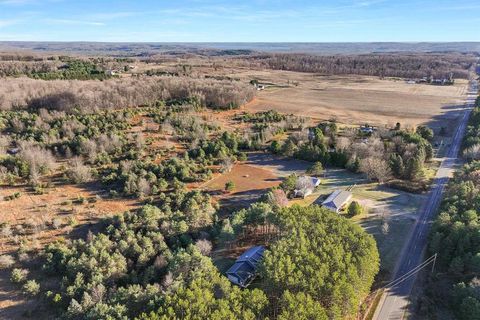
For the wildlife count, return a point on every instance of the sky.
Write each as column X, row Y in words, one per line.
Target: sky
column 240, row 21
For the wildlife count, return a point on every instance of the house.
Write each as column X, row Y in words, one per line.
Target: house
column 305, row 186
column 367, row 129
column 13, row 151
column 111, row 72
column 337, row 200
column 244, row 270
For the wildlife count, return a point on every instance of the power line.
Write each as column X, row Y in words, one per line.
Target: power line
column 412, row 272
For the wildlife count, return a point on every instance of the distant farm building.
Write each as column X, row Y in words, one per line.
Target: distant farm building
column 445, row 81
column 337, row 200
column 111, row 72
column 305, row 186
column 367, row 129
column 13, row 151
column 244, row 270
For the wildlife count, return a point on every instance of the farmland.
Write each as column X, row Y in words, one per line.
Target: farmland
column 357, row 99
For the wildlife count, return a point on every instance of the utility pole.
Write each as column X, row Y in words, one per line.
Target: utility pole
column 434, row 260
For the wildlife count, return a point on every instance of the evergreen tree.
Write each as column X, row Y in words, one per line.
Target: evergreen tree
column 414, row 171
column 397, row 166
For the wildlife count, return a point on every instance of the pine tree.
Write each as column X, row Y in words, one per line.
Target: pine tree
column 414, row 170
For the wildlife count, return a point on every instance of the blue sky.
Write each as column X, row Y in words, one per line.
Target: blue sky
column 240, row 21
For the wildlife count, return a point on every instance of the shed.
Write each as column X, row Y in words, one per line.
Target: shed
column 245, row 268
column 337, row 200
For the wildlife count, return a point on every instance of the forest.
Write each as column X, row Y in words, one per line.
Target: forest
column 91, row 95
column 383, row 65
column 155, row 264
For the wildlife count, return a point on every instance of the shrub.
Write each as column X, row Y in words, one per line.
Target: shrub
column 6, row 261
column 18, row 275
column 229, row 186
column 316, row 169
column 31, row 288
column 13, row 196
column 355, row 209
column 78, row 172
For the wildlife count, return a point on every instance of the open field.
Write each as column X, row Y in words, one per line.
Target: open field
column 250, row 183
column 355, row 99
column 253, row 178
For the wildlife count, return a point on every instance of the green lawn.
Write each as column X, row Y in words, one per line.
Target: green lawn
column 389, row 245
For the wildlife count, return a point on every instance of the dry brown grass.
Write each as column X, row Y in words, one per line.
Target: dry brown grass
column 246, row 178
column 58, row 203
column 353, row 99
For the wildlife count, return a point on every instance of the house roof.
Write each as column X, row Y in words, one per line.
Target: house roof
column 253, row 255
column 246, row 265
column 337, row 199
column 315, row 181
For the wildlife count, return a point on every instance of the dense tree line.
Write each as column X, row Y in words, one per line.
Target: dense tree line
column 149, row 265
column 59, row 67
column 133, row 265
column 383, row 65
column 471, row 142
column 455, row 237
column 145, row 178
column 72, row 70
column 90, row 96
column 387, row 154
column 37, row 137
column 316, row 257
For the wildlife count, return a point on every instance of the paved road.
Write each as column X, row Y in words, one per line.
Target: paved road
column 395, row 299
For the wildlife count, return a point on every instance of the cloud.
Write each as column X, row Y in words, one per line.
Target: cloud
column 15, row 2
column 73, row 22
column 8, row 22
column 25, row 2
column 114, row 15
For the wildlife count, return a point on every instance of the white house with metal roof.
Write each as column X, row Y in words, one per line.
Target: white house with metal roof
column 305, row 186
column 244, row 270
column 337, row 200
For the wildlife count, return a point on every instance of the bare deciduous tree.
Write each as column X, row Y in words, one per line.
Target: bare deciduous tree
column 375, row 169
column 226, row 165
column 78, row 172
column 304, row 184
column 204, row 246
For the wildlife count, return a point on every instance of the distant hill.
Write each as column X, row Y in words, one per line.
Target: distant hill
column 143, row 49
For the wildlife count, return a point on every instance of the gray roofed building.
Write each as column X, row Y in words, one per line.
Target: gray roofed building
column 245, row 268
column 305, row 186
column 337, row 200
